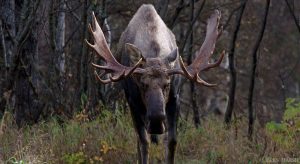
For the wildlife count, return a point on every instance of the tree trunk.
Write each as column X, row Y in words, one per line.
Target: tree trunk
column 253, row 70
column 230, row 106
column 8, row 34
column 3, row 45
column 60, row 39
column 196, row 115
column 60, row 54
column 27, row 106
column 84, row 51
column 51, row 26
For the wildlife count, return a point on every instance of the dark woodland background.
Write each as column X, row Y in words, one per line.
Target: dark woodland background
column 45, row 65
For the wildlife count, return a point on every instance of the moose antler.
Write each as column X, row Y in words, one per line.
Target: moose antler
column 100, row 46
column 201, row 62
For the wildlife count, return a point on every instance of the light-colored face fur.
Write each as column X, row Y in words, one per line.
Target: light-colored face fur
column 155, row 79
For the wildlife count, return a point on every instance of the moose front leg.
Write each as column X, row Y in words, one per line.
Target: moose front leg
column 142, row 146
column 142, row 139
column 172, row 114
column 171, row 145
column 138, row 112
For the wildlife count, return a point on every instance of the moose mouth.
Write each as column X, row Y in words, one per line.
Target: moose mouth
column 156, row 127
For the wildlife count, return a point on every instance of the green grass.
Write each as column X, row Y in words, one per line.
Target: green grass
column 111, row 138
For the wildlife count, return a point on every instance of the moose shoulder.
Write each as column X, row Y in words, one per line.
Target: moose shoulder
column 149, row 66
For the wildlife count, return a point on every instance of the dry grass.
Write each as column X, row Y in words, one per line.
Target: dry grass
column 111, row 139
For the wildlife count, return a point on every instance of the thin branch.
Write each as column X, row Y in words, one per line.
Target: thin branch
column 29, row 21
column 179, row 8
column 163, row 8
column 29, row 79
column 3, row 45
column 293, row 15
column 10, row 36
column 73, row 13
column 72, row 35
column 230, row 16
column 190, row 29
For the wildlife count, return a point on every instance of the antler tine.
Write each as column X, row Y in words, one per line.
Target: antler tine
column 215, row 64
column 134, row 68
column 100, row 66
column 112, row 66
column 184, row 69
column 122, row 75
column 201, row 81
column 99, row 78
column 195, row 78
column 115, row 79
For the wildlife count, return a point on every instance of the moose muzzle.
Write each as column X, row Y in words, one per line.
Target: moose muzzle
column 156, row 114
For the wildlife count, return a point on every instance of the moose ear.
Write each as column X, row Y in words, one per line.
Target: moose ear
column 134, row 53
column 172, row 56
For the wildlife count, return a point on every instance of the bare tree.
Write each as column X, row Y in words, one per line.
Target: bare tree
column 84, row 50
column 60, row 39
column 20, row 80
column 232, row 69
column 253, row 70
column 60, row 61
column 190, row 59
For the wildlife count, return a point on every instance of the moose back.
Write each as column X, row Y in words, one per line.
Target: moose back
column 150, row 69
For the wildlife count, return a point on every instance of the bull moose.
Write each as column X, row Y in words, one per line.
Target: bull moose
column 149, row 68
